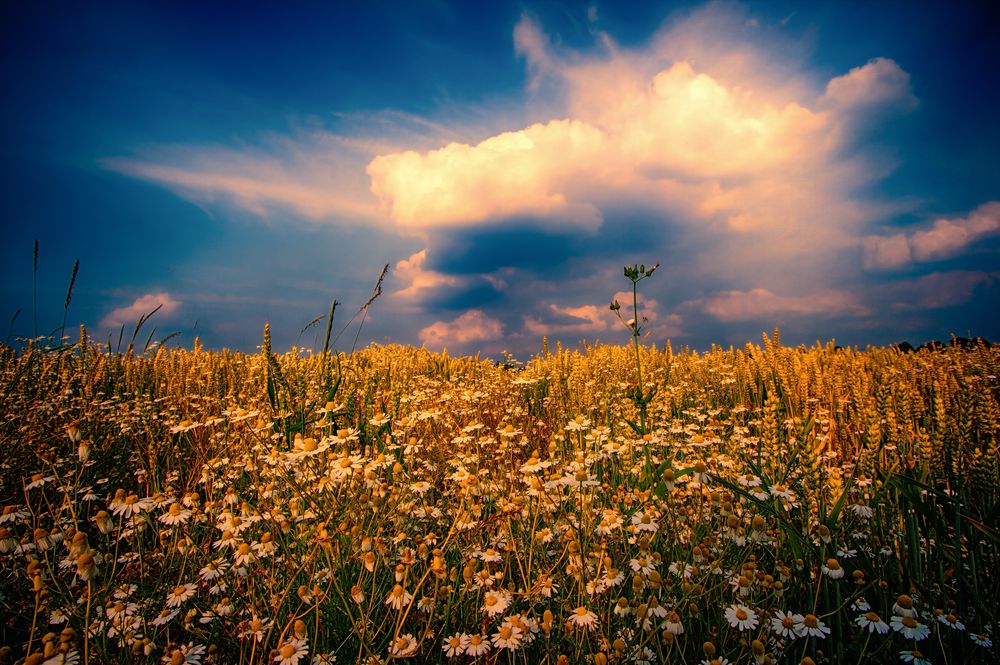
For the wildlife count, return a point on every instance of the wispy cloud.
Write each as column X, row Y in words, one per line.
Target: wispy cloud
column 142, row 306
column 762, row 304
column 941, row 289
column 317, row 175
column 582, row 320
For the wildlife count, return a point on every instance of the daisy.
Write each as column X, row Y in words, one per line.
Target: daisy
column 266, row 547
column 398, row 598
column 833, row 569
column 622, row 607
column 862, row 511
column 981, row 640
column 256, row 628
column 583, row 618
column 491, row 556
column 913, row 656
column 456, row 645
column 527, row 626
column 783, row 492
column 909, row 627
column 165, row 617
column 38, row 480
column 133, row 505
column 228, row 539
column 672, row 624
column 495, row 602
column 192, row 653
column 904, row 606
column 811, row 626
column 291, row 651
column 223, row 608
column 643, row 565
column 244, row 555
column 478, row 645
column 546, row 586
column 741, row 617
column 872, row 623
column 644, row 521
column 86, row 566
column 508, row 637
column 180, row 594
column 951, row 621
column 213, row 570
column 69, row 657
column 13, row 514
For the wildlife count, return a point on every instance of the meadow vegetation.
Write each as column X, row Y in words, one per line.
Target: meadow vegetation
column 763, row 504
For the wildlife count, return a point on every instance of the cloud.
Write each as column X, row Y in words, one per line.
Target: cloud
column 879, row 82
column 418, row 279
column 582, row 320
column 471, row 327
column 941, row 289
column 942, row 239
column 711, row 147
column 759, row 304
column 696, row 130
column 513, row 173
column 140, row 307
column 317, row 175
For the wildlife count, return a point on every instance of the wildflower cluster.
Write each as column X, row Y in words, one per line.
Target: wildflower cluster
column 775, row 505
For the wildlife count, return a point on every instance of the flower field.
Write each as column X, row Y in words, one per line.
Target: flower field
column 764, row 504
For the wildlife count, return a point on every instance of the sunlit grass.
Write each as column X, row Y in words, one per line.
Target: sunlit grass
column 784, row 504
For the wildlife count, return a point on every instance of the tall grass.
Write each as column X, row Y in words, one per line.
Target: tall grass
column 777, row 504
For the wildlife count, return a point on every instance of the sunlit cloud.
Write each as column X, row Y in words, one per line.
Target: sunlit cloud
column 417, row 278
column 879, row 81
column 942, row 239
column 514, row 173
column 471, row 327
column 142, row 306
column 746, row 155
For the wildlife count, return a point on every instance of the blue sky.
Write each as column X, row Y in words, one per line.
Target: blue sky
column 828, row 169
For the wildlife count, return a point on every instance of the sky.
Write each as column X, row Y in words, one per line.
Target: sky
column 829, row 169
